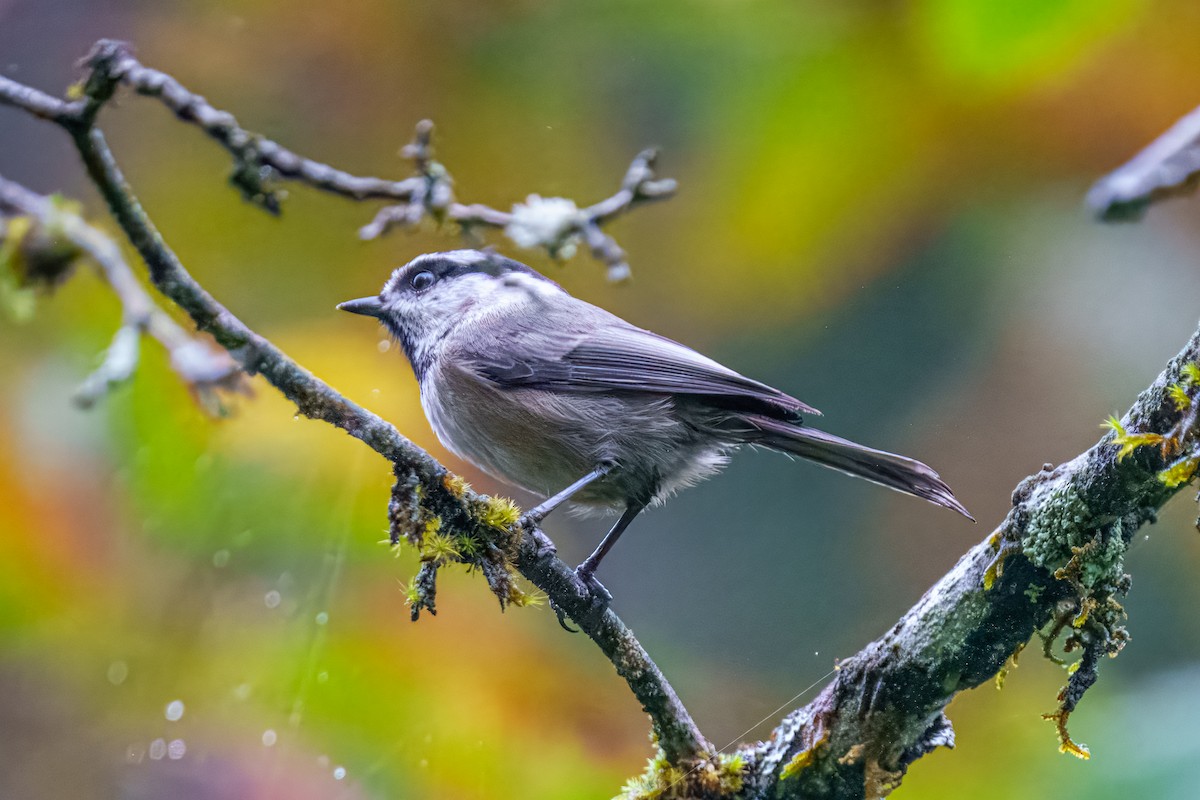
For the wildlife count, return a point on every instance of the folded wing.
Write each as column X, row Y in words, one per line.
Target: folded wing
column 627, row 358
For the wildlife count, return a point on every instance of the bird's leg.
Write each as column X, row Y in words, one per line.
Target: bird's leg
column 586, row 571
column 543, row 509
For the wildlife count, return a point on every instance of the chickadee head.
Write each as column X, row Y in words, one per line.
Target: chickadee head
column 426, row 297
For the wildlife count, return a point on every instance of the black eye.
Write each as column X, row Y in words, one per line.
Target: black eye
column 422, row 281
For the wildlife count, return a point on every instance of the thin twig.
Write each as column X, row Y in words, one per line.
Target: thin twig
column 38, row 103
column 259, row 162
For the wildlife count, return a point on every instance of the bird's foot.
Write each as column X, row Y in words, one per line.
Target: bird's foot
column 597, row 593
column 530, row 521
column 589, row 590
column 545, row 547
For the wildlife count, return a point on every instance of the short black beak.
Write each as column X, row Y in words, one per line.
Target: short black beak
column 367, row 306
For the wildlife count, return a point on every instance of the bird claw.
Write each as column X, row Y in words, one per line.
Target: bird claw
column 597, row 593
column 592, row 591
column 562, row 617
column 545, row 547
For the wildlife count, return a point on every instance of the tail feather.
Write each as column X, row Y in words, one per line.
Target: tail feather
column 887, row 469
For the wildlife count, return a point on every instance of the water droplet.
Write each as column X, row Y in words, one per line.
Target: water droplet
column 220, row 558
column 241, row 691
column 269, row 738
column 385, row 345
column 294, row 718
column 321, row 618
column 423, row 763
column 323, row 761
column 272, row 599
column 339, row 773
column 174, row 710
column 135, row 753
column 375, row 393
column 176, row 749
column 118, row 671
column 322, row 677
column 158, row 749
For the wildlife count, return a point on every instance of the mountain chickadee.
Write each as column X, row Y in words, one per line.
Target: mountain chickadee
column 546, row 391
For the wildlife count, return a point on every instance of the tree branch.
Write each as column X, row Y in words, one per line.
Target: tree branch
column 1057, row 557
column 258, row 161
column 1055, row 561
column 673, row 726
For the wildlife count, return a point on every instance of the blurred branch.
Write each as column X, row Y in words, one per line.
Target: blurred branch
column 44, row 236
column 1168, row 167
column 1055, row 562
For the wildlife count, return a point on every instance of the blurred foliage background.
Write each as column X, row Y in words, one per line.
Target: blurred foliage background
column 880, row 212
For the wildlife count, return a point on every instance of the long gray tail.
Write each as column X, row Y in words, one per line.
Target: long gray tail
column 887, row 469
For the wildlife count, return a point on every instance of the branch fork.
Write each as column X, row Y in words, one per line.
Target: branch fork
column 1058, row 550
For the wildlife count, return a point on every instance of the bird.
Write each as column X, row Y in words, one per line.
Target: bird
column 547, row 392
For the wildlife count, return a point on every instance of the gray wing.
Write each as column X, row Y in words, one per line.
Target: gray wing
column 621, row 357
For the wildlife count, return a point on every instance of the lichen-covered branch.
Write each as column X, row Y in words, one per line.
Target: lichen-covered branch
column 1054, row 564
column 1056, row 560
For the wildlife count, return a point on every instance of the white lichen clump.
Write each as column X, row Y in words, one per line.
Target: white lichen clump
column 550, row 222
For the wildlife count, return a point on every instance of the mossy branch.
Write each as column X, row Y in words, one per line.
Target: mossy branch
column 1054, row 563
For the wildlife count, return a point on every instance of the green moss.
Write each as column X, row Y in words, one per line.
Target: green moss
column 438, row 548
column 498, row 512
column 1178, row 395
column 448, row 524
column 718, row 777
column 1103, row 563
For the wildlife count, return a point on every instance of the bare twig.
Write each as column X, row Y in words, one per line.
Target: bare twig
column 259, row 162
